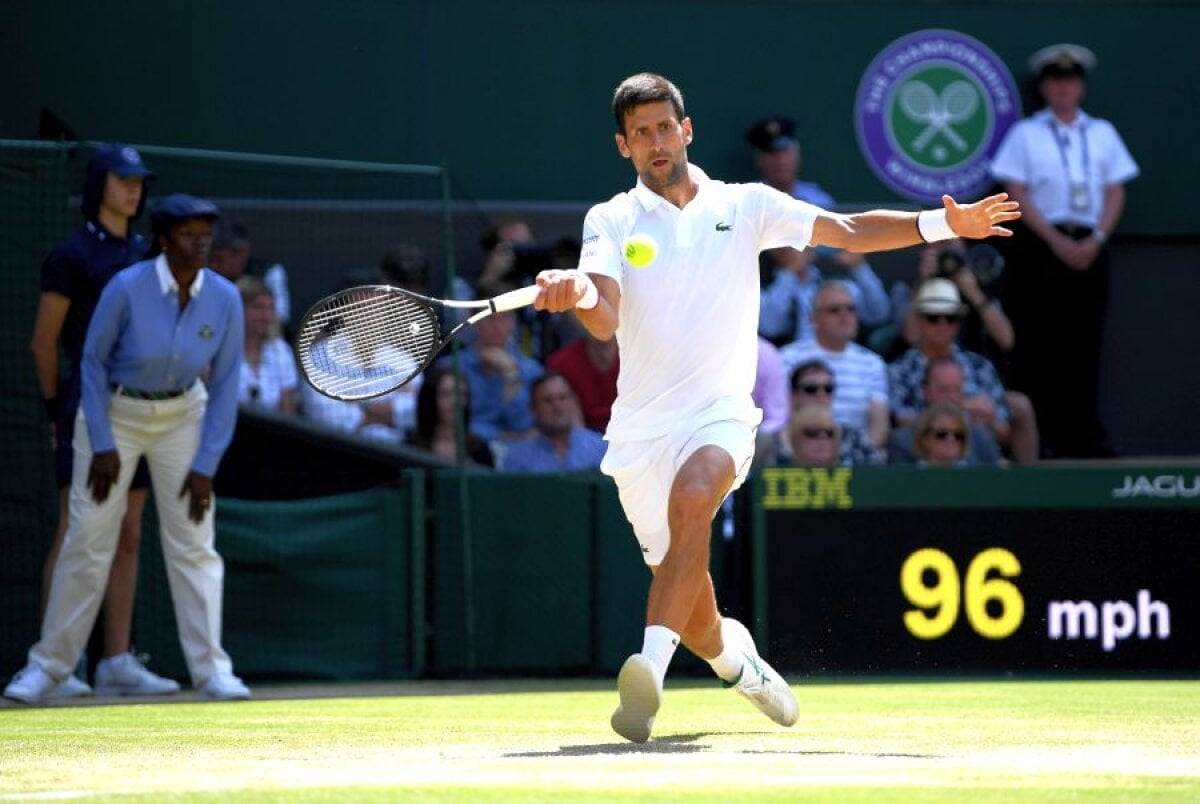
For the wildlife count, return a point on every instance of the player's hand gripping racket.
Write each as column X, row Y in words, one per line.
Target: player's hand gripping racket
column 365, row 341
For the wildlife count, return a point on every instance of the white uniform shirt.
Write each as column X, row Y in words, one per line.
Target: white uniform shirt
column 1033, row 154
column 688, row 321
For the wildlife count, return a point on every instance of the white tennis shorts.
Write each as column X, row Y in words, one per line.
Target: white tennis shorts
column 645, row 470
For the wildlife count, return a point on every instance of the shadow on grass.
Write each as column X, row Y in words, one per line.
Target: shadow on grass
column 686, row 744
column 672, row 744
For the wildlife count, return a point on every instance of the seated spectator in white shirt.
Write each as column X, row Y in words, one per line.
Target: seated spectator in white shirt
column 861, row 396
column 268, row 378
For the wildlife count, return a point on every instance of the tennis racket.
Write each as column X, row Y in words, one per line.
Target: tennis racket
column 365, row 341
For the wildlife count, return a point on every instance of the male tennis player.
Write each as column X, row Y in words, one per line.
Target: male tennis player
column 683, row 425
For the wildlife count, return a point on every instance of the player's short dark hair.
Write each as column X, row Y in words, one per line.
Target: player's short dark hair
column 643, row 88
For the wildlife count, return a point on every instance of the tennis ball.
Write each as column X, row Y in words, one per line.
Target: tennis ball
column 640, row 250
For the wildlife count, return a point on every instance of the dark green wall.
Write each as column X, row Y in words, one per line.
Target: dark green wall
column 516, row 95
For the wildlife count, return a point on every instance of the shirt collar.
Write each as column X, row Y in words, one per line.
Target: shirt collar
column 166, row 279
column 1082, row 118
column 101, row 233
column 650, row 199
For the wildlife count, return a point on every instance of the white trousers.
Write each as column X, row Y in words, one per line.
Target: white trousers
column 167, row 432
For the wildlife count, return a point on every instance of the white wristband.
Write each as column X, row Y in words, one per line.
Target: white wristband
column 932, row 226
column 591, row 296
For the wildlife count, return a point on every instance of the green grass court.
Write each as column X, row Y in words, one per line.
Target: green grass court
column 857, row 740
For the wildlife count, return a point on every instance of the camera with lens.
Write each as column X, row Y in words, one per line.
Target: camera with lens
column 984, row 261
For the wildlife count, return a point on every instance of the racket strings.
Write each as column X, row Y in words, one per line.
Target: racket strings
column 366, row 343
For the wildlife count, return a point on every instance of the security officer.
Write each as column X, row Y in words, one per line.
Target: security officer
column 73, row 275
column 1068, row 170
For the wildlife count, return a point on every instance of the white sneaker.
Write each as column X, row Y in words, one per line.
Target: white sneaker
column 224, row 687
column 759, row 682
column 641, row 696
column 71, row 687
column 126, row 674
column 30, row 685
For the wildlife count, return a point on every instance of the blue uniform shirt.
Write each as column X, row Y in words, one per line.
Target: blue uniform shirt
column 585, row 450
column 79, row 268
column 140, row 338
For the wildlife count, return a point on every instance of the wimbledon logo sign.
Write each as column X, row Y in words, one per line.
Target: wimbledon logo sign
column 930, row 112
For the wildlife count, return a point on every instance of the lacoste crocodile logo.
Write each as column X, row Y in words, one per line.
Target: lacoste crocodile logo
column 724, row 227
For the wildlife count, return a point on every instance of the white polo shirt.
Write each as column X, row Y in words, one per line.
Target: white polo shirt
column 1047, row 156
column 688, row 321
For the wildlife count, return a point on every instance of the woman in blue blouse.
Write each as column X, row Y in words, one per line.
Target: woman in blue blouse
column 160, row 326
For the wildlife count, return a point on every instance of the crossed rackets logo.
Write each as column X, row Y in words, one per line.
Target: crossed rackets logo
column 956, row 104
column 938, row 118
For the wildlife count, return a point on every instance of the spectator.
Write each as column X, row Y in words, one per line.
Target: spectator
column 778, row 159
column 942, row 437
column 861, row 397
column 233, row 258
column 73, row 276
column 591, row 367
column 944, row 384
column 986, row 328
column 560, row 444
column 499, row 377
column 158, row 326
column 791, row 281
column 437, row 414
column 812, row 384
column 1068, row 170
column 268, row 379
column 770, row 395
column 814, row 437
column 940, row 310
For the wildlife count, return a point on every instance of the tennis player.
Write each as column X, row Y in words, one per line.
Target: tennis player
column 682, row 431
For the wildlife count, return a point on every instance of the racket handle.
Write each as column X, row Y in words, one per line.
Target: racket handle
column 515, row 299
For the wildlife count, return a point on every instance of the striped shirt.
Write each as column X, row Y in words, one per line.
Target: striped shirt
column 859, row 378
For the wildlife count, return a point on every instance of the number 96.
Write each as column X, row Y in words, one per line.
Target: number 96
column 937, row 604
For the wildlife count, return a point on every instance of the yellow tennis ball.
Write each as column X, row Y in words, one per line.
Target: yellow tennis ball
column 640, row 250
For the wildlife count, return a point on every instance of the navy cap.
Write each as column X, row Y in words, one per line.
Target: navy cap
column 123, row 160
column 181, row 207
column 773, row 134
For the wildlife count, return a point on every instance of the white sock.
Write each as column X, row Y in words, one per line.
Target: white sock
column 659, row 646
column 728, row 666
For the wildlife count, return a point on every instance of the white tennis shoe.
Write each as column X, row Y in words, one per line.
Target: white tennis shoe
column 224, row 687
column 70, row 687
column 126, row 674
column 641, row 696
column 759, row 682
column 30, row 685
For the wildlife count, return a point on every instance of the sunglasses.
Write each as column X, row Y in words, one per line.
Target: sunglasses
column 816, row 389
column 834, row 309
column 934, row 318
column 942, row 434
column 817, row 432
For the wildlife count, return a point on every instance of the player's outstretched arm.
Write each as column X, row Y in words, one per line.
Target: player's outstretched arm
column 881, row 230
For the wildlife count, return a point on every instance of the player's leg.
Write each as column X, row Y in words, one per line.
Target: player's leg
column 679, row 581
column 120, row 672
